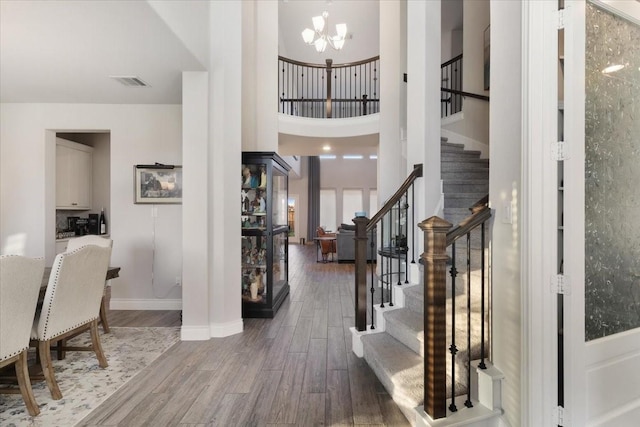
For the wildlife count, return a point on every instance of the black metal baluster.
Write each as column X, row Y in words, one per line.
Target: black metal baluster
column 383, row 261
column 404, row 239
column 467, row 402
column 373, row 290
column 389, row 261
column 413, row 228
column 482, row 365
column 453, row 349
column 399, row 233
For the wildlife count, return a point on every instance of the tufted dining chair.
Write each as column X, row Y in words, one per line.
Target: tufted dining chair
column 20, row 280
column 91, row 239
column 71, row 305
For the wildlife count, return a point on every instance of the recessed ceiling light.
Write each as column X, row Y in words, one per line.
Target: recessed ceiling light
column 130, row 81
column 613, row 68
column 326, row 147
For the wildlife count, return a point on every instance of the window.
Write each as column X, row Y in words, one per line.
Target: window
column 328, row 209
column 351, row 203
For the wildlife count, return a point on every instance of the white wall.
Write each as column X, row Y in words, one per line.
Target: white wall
column 476, row 112
column 223, row 165
column 351, row 174
column 139, row 134
column 505, row 188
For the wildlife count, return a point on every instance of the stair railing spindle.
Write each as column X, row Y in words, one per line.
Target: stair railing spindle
column 373, row 290
column 467, row 402
column 397, row 248
column 482, row 365
column 413, row 219
column 382, row 263
column 404, row 247
column 452, row 348
column 390, row 264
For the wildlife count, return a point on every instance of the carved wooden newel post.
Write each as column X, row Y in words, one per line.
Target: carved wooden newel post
column 329, row 106
column 361, row 272
column 435, row 281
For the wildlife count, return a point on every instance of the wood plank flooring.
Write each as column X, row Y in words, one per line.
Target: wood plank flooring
column 296, row 369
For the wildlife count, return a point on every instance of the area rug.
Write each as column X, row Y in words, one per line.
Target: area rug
column 83, row 383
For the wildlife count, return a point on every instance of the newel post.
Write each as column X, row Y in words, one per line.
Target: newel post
column 361, row 272
column 434, row 259
column 329, row 106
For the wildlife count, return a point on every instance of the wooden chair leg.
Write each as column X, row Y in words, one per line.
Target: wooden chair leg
column 22, row 373
column 44, row 348
column 97, row 347
column 103, row 317
column 60, row 349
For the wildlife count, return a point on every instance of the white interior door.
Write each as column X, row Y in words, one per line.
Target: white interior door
column 602, row 201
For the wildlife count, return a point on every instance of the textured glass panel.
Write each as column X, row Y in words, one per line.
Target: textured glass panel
column 612, row 175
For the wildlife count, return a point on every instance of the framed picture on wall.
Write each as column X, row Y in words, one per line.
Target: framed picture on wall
column 157, row 184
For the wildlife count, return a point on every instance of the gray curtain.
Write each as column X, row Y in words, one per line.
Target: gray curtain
column 313, row 219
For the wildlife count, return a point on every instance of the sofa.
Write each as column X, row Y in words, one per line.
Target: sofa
column 346, row 249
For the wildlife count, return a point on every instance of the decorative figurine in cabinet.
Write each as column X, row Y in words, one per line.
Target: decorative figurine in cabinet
column 263, row 206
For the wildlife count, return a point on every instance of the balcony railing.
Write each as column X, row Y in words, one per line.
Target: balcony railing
column 328, row 90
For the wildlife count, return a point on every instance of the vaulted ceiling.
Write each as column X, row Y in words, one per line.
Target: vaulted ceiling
column 65, row 50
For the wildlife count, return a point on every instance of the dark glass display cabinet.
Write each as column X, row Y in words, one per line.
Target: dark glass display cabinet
column 265, row 252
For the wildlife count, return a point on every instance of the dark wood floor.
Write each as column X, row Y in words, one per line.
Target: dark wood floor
column 295, row 369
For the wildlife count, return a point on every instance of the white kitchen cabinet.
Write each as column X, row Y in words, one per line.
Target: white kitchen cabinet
column 73, row 175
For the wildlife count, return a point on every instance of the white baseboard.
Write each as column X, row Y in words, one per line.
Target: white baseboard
column 194, row 333
column 219, row 330
column 145, row 304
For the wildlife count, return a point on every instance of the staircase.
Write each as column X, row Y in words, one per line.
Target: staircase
column 465, row 179
column 395, row 352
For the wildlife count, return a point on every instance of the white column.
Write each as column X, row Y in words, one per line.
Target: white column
column 390, row 161
column 505, row 199
column 423, row 107
column 225, row 139
column 195, row 226
column 266, row 87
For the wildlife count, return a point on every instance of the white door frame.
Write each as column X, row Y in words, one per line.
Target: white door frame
column 539, row 213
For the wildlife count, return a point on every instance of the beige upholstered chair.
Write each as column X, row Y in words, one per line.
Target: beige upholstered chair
column 71, row 305
column 104, row 242
column 20, row 280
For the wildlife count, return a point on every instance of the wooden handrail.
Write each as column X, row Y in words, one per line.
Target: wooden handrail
column 347, row 64
column 463, row 93
column 451, row 61
column 468, row 224
column 415, row 173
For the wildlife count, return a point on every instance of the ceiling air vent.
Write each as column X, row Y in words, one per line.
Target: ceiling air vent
column 130, row 81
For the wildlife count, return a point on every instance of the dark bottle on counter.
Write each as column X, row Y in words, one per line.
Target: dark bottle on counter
column 103, row 223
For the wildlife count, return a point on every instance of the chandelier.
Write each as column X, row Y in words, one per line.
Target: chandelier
column 319, row 38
